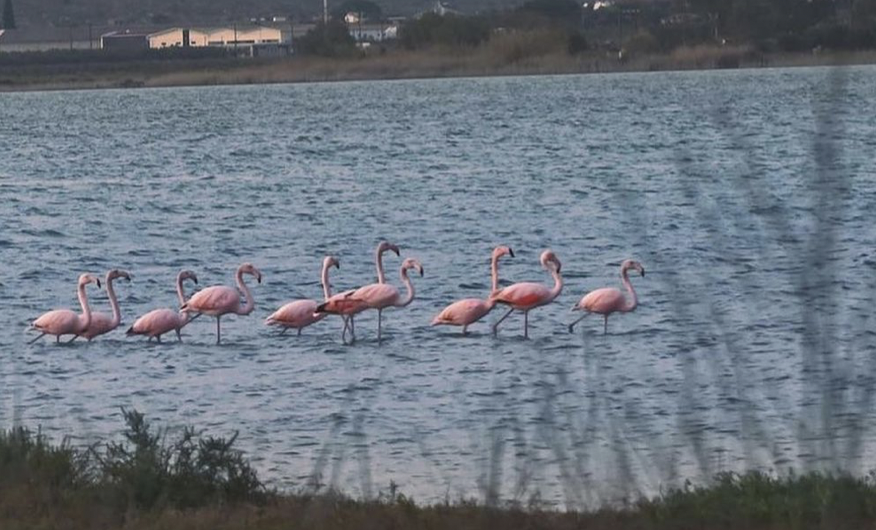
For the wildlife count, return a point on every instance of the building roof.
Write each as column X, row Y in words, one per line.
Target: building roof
column 124, row 34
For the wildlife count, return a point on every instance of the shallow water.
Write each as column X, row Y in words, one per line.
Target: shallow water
column 748, row 196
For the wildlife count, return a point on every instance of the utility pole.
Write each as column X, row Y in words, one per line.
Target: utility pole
column 325, row 12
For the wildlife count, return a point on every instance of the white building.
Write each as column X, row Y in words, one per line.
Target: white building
column 373, row 32
column 225, row 37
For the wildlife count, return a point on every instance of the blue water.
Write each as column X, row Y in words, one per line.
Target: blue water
column 747, row 195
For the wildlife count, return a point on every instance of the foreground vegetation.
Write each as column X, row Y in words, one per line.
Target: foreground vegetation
column 196, row 481
column 534, row 53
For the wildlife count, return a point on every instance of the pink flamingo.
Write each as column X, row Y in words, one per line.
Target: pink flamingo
column 220, row 299
column 385, row 295
column 609, row 300
column 157, row 322
column 380, row 296
column 302, row 313
column 64, row 321
column 101, row 322
column 527, row 296
column 470, row 310
column 348, row 306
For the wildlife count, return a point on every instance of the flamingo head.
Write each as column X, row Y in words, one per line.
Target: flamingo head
column 331, row 261
column 411, row 263
column 502, row 250
column 187, row 275
column 85, row 279
column 116, row 273
column 632, row 264
column 249, row 268
column 386, row 245
column 549, row 260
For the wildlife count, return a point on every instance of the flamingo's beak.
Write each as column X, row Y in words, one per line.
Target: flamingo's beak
column 643, row 272
column 394, row 248
column 97, row 281
column 259, row 278
column 195, row 279
column 421, row 272
column 511, row 251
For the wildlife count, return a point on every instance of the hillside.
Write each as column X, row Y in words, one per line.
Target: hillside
column 138, row 12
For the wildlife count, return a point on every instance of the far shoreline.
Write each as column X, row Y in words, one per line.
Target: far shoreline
column 396, row 65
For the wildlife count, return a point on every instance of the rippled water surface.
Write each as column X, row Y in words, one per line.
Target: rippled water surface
column 748, row 196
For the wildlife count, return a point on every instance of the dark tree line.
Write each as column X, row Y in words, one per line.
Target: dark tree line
column 8, row 15
column 658, row 26
column 793, row 24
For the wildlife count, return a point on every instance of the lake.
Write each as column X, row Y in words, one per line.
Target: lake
column 747, row 195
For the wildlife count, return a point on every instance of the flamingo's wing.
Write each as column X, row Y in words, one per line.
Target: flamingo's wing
column 523, row 295
column 297, row 313
column 156, row 322
column 377, row 295
column 216, row 298
column 58, row 322
column 605, row 300
column 462, row 312
column 343, row 305
column 100, row 323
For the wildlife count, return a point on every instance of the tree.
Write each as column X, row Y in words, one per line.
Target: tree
column 445, row 30
column 328, row 40
column 562, row 12
column 8, row 15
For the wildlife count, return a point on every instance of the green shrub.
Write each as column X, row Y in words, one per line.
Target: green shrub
column 448, row 30
column 327, row 40
column 143, row 471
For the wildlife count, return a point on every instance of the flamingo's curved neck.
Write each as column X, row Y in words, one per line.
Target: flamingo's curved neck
column 114, row 303
column 558, row 284
column 326, row 286
column 246, row 308
column 85, row 318
column 179, row 290
column 378, row 259
column 407, row 281
column 184, row 315
column 633, row 300
column 494, row 269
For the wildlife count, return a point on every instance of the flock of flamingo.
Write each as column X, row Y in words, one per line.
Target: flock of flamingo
column 221, row 300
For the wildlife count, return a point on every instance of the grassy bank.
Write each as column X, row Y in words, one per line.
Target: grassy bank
column 148, row 480
column 522, row 55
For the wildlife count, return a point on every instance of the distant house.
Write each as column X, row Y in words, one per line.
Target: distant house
column 683, row 19
column 246, row 39
column 373, row 32
column 221, row 36
column 258, row 41
column 124, row 41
